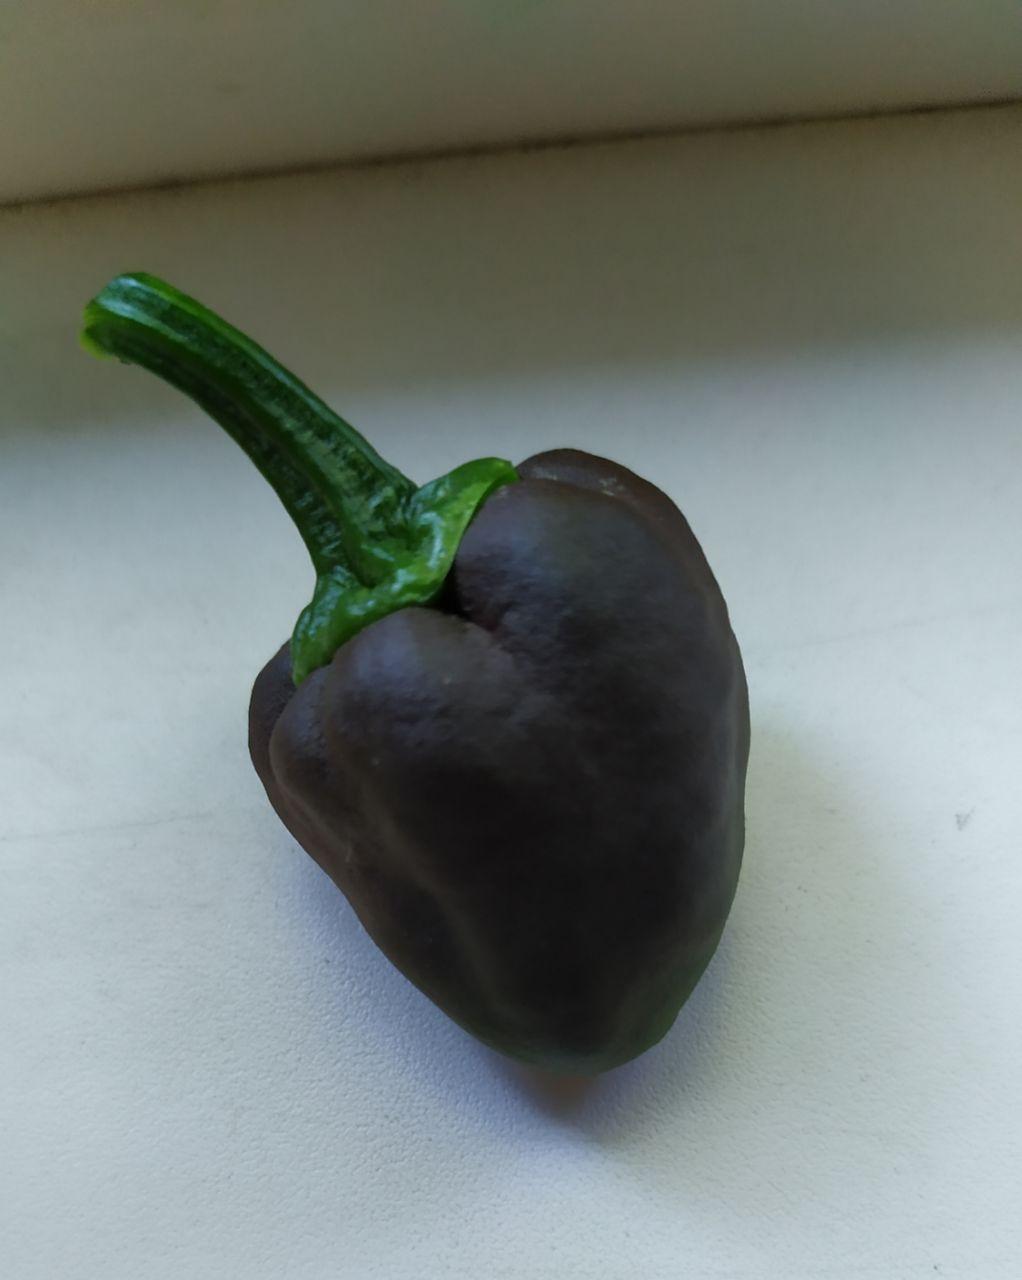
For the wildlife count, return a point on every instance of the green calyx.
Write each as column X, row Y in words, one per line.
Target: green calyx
column 377, row 542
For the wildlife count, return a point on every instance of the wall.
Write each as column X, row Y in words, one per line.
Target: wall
column 109, row 93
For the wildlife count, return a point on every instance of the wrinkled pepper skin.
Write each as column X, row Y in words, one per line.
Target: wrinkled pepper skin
column 533, row 794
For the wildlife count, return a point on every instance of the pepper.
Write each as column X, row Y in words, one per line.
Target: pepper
column 512, row 724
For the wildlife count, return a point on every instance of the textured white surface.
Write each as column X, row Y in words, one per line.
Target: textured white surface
column 102, row 93
column 811, row 338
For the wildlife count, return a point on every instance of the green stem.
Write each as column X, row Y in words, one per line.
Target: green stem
column 377, row 543
column 347, row 503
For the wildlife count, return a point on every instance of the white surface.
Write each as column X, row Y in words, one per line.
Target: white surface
column 811, row 339
column 104, row 93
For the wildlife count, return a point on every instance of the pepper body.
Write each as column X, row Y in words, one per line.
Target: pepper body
column 533, row 794
column 511, row 723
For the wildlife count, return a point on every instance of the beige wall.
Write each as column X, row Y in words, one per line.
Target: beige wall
column 107, row 93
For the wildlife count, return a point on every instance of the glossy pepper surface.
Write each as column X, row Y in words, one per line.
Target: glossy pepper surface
column 512, row 724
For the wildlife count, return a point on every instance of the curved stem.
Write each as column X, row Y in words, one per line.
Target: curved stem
column 378, row 544
column 347, row 502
